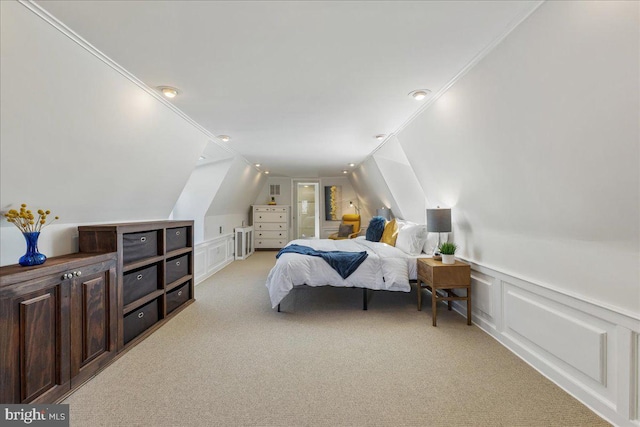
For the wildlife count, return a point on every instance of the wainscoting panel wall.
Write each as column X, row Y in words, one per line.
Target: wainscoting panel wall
column 213, row 255
column 589, row 350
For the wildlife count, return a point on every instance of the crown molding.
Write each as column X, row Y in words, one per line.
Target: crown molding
column 470, row 65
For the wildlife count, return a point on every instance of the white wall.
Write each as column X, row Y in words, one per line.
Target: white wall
column 374, row 192
column 198, row 193
column 402, row 182
column 80, row 138
column 232, row 202
column 537, row 151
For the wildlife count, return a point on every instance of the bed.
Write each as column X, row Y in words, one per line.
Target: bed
column 385, row 268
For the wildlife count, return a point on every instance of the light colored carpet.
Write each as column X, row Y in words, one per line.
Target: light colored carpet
column 230, row 360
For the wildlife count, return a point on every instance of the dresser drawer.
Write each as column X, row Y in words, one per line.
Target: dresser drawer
column 140, row 320
column 176, row 268
column 271, row 217
column 270, row 226
column 178, row 296
column 270, row 243
column 176, row 238
column 138, row 283
column 262, row 234
column 279, row 209
column 136, row 246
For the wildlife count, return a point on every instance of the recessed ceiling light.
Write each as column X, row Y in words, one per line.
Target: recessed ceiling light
column 257, row 165
column 168, row 91
column 266, row 172
column 380, row 137
column 352, row 164
column 225, row 138
column 419, row 94
column 345, row 171
column 202, row 158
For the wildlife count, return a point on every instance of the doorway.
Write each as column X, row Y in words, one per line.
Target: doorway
column 307, row 210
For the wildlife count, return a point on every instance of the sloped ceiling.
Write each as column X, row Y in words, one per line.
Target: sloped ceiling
column 401, row 180
column 237, row 191
column 80, row 139
column 302, row 87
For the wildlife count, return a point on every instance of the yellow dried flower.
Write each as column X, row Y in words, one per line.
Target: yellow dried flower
column 25, row 220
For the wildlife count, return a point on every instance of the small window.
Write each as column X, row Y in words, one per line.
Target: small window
column 274, row 189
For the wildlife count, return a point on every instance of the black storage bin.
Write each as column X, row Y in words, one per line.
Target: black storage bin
column 140, row 320
column 138, row 283
column 177, row 267
column 137, row 246
column 178, row 296
column 176, row 238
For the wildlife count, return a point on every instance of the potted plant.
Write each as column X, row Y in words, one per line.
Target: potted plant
column 448, row 250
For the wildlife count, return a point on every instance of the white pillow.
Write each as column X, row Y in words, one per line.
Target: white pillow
column 430, row 243
column 411, row 238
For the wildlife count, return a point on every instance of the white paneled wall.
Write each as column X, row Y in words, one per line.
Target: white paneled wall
column 587, row 349
column 213, row 255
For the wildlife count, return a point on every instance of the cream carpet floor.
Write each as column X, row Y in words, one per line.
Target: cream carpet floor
column 231, row 360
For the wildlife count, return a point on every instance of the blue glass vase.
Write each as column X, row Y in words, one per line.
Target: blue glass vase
column 32, row 257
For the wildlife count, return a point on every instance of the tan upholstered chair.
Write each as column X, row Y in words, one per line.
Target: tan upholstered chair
column 348, row 219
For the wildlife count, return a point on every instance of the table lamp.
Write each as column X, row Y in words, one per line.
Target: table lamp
column 438, row 221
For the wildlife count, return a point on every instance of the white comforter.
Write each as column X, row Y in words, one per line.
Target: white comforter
column 386, row 267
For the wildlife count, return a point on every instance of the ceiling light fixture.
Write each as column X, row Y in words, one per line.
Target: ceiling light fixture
column 380, row 137
column 257, row 165
column 352, row 164
column 168, row 91
column 419, row 94
column 345, row 171
column 224, row 138
column 266, row 172
column 202, row 158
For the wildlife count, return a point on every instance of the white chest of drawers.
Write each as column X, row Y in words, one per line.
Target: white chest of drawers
column 271, row 226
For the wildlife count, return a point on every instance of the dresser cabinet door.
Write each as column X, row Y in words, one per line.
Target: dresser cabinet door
column 37, row 347
column 93, row 323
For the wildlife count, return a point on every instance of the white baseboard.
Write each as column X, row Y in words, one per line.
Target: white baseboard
column 590, row 351
column 212, row 256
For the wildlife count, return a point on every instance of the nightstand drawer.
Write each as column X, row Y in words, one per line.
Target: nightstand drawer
column 437, row 273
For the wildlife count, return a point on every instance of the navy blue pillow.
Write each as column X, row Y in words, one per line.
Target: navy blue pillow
column 375, row 228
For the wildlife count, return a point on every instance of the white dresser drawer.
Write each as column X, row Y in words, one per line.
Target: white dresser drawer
column 270, row 217
column 270, row 226
column 272, row 235
column 279, row 209
column 270, row 243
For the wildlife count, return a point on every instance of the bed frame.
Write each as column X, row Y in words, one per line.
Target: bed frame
column 364, row 300
column 365, row 294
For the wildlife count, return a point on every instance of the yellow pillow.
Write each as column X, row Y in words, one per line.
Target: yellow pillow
column 390, row 233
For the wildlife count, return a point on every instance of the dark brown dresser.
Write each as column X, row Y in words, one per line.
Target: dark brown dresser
column 58, row 325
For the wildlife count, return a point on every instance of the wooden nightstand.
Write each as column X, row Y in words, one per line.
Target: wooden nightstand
column 437, row 276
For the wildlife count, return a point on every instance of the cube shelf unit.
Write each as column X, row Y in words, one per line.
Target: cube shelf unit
column 155, row 278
